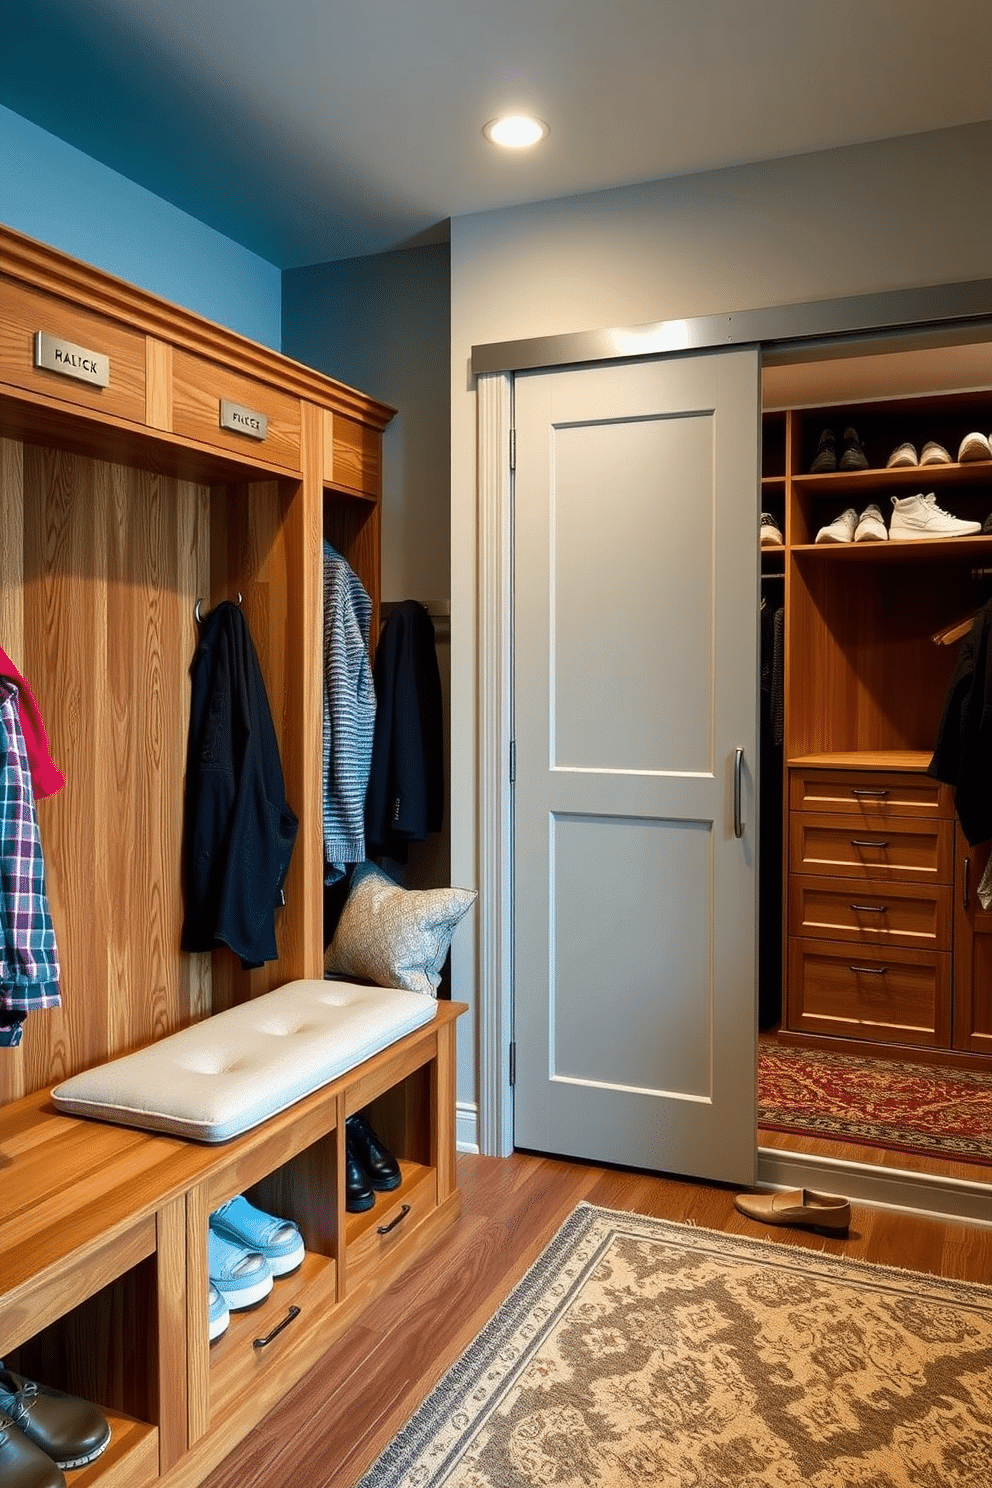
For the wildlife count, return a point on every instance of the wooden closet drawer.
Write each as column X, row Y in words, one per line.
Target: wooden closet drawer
column 24, row 312
column 870, row 794
column 200, row 388
column 900, row 997
column 847, row 847
column 887, row 914
column 377, row 1238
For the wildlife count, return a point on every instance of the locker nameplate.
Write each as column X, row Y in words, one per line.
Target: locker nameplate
column 69, row 360
column 243, row 420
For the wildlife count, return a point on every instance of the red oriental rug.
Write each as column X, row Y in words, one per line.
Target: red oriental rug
column 911, row 1107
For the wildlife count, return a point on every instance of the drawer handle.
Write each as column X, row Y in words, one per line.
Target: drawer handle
column 965, row 886
column 260, row 1343
column 866, row 842
column 869, row 970
column 869, row 908
column 864, row 791
column 385, row 1229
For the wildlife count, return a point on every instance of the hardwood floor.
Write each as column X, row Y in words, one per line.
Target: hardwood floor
column 329, row 1429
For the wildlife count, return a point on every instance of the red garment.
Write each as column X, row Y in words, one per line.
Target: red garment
column 46, row 777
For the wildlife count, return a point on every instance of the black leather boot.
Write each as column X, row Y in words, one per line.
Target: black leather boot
column 379, row 1166
column 358, row 1195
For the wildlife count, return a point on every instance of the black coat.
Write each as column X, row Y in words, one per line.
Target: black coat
column 238, row 831
column 963, row 757
column 405, row 798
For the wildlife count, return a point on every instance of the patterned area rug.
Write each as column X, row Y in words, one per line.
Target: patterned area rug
column 639, row 1352
column 912, row 1107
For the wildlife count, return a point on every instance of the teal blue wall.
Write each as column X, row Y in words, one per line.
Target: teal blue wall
column 55, row 193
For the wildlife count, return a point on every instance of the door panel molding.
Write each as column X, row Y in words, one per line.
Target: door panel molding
column 495, row 989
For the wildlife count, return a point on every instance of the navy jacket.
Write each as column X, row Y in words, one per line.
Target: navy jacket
column 238, row 830
column 405, row 799
column 963, row 756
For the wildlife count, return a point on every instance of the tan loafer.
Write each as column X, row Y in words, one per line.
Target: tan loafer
column 825, row 1213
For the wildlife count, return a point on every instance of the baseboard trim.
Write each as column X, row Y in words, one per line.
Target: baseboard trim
column 882, row 1188
column 467, row 1127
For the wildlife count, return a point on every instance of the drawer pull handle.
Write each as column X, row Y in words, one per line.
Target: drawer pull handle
column 965, row 886
column 864, row 791
column 866, row 842
column 385, row 1229
column 869, row 908
column 869, row 970
column 260, row 1343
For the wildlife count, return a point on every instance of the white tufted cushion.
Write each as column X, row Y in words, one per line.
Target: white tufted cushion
column 225, row 1075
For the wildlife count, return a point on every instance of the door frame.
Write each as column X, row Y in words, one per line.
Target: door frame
column 902, row 318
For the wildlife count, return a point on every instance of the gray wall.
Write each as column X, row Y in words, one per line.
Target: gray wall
column 896, row 214
column 382, row 324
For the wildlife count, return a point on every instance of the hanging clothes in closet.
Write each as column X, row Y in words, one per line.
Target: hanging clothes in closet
column 238, row 830
column 29, row 961
column 348, row 715
column 406, row 786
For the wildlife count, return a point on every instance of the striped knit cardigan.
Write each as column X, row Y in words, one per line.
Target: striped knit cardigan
column 349, row 714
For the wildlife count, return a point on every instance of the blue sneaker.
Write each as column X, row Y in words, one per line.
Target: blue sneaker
column 218, row 1313
column 278, row 1240
column 243, row 1277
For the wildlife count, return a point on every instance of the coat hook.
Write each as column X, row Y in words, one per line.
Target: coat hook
column 196, row 609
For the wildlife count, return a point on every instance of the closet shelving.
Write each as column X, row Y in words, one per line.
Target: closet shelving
column 883, row 948
column 120, row 508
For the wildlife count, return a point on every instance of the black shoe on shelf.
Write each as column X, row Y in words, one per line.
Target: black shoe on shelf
column 852, row 455
column 72, row 1432
column 22, row 1464
column 379, row 1166
column 825, row 459
column 358, row 1195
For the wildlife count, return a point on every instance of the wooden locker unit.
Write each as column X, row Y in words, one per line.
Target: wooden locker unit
column 121, row 506
column 885, row 949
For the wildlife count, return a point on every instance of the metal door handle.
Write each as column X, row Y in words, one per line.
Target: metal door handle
column 738, row 787
column 965, row 885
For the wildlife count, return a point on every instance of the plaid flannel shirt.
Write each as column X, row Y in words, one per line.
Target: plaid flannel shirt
column 29, row 962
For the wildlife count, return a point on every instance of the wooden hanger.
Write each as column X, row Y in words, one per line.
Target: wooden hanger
column 952, row 633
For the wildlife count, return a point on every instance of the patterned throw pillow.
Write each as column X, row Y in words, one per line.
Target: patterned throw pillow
column 395, row 937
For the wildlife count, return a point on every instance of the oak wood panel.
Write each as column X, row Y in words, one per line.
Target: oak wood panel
column 887, row 914
column 329, row 1431
column 197, row 390
column 240, row 1371
column 24, row 310
column 894, row 996
column 109, row 558
column 357, row 460
column 170, row 1372
column 158, row 384
column 42, row 267
column 899, row 849
column 872, row 795
column 377, row 1237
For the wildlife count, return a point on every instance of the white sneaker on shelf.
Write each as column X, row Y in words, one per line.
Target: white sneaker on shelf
column 841, row 529
column 934, row 454
column 974, row 447
column 903, row 454
column 915, row 517
column 769, row 531
column 871, row 527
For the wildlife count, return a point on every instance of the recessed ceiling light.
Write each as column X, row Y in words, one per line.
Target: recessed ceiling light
column 515, row 131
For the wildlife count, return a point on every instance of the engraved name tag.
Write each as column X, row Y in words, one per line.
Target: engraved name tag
column 56, row 355
column 243, row 420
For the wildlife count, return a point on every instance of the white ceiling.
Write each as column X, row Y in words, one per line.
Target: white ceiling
column 317, row 129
